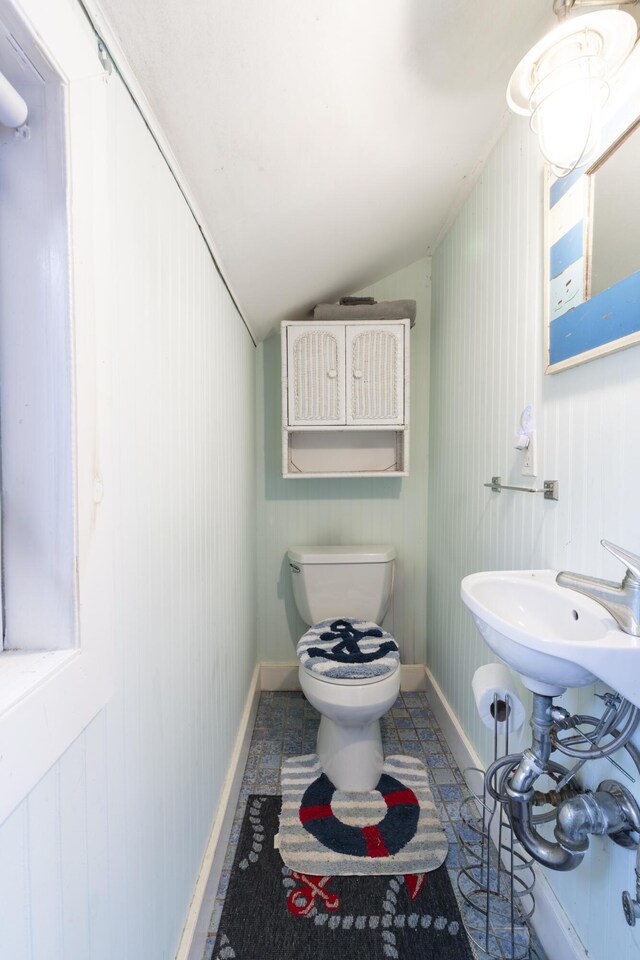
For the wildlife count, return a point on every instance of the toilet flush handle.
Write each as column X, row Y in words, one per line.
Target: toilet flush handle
column 294, row 568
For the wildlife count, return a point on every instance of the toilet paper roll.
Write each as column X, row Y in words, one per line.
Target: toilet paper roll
column 496, row 679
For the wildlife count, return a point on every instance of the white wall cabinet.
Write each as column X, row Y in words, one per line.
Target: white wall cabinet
column 345, row 398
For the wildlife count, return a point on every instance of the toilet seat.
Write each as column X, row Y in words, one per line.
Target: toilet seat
column 350, row 681
column 346, row 651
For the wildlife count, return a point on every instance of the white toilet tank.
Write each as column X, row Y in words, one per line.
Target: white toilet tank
column 346, row 581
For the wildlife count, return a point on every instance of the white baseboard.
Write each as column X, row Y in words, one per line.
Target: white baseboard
column 412, row 677
column 555, row 931
column 279, row 676
column 284, row 676
column 196, row 928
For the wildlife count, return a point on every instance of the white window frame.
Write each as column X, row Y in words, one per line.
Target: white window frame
column 56, row 671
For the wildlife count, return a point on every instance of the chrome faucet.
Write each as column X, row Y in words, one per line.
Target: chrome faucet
column 621, row 600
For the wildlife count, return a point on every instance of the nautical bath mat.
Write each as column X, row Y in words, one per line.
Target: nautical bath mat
column 273, row 913
column 392, row 829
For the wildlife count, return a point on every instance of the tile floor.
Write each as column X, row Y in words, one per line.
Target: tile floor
column 286, row 725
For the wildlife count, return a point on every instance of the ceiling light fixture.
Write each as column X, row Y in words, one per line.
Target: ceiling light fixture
column 562, row 84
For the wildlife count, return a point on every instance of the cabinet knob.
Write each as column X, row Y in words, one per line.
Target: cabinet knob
column 357, row 374
column 332, row 373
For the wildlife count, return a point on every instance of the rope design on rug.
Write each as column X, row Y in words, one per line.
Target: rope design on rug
column 301, row 902
column 388, row 921
column 258, row 834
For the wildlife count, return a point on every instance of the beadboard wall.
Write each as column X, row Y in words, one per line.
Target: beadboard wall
column 100, row 861
column 486, row 363
column 350, row 510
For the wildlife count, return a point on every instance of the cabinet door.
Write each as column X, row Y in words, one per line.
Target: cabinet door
column 375, row 374
column 315, row 374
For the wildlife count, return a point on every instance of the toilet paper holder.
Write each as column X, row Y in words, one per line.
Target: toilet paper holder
column 496, row 878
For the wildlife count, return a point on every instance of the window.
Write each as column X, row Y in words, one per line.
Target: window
column 53, row 679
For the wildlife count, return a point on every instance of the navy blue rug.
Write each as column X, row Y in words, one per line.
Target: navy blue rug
column 274, row 913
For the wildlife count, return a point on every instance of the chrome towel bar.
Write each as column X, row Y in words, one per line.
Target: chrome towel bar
column 549, row 488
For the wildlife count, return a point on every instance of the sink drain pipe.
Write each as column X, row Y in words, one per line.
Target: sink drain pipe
column 609, row 810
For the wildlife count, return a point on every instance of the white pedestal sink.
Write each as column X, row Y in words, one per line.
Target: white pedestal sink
column 553, row 637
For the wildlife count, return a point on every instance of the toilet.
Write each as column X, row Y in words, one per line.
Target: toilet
column 349, row 666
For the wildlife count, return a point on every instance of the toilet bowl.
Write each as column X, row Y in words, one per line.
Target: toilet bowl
column 349, row 666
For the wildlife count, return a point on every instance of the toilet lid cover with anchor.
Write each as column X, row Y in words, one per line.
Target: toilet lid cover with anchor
column 348, row 649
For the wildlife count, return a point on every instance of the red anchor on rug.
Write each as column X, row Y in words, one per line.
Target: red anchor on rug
column 415, row 883
column 302, row 900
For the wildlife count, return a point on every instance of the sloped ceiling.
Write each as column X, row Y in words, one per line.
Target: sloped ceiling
column 326, row 141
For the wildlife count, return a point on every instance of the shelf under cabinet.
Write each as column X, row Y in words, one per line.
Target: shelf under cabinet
column 349, row 452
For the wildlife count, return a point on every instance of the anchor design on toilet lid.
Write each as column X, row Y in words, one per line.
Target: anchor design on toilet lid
column 348, row 649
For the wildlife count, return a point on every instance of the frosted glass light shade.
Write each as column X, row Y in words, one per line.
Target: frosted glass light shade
column 566, row 112
column 563, row 84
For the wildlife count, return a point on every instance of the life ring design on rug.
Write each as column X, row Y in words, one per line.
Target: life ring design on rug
column 382, row 839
